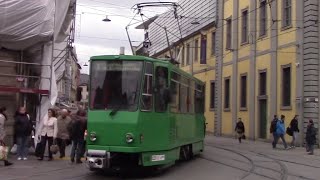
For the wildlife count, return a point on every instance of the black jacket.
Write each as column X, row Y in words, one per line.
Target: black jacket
column 311, row 134
column 22, row 125
column 240, row 127
column 77, row 127
column 294, row 125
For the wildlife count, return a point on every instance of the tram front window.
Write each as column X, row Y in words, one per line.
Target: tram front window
column 115, row 85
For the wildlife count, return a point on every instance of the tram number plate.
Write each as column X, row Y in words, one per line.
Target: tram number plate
column 158, row 157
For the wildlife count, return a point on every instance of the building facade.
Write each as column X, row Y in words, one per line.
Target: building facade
column 258, row 58
column 268, row 65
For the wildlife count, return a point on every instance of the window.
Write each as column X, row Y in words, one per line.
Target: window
column 203, row 53
column 263, row 18
column 176, row 53
column 243, row 92
column 182, row 56
column 286, row 13
column 116, row 85
column 263, row 84
column 147, row 97
column 213, row 43
column 188, row 54
column 227, row 93
column 244, row 34
column 196, row 50
column 175, row 90
column 199, row 98
column 161, row 88
column 212, row 95
column 191, row 105
column 183, row 94
column 286, row 86
column 229, row 29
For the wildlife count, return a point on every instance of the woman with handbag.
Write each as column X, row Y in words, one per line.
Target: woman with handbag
column 48, row 133
column 3, row 118
column 240, row 130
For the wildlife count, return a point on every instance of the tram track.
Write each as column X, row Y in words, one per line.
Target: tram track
column 283, row 173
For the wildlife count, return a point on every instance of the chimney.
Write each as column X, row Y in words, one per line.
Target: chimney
column 122, row 50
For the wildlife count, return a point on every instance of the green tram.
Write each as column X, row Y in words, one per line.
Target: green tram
column 143, row 112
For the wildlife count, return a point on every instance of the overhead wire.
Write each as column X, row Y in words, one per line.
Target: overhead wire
column 260, row 39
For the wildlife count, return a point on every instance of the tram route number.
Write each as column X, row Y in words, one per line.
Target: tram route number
column 158, row 158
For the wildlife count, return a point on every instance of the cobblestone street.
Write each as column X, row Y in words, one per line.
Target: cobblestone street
column 223, row 158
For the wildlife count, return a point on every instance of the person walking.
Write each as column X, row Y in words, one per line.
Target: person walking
column 3, row 119
column 48, row 133
column 63, row 135
column 23, row 128
column 273, row 130
column 77, row 129
column 240, row 129
column 294, row 127
column 281, row 131
column 311, row 137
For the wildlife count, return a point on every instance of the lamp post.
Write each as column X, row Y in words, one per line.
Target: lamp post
column 106, row 19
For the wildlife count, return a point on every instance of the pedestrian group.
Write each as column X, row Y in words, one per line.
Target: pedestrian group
column 278, row 131
column 59, row 130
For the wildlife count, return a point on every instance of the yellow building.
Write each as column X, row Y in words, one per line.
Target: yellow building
column 262, row 62
column 258, row 58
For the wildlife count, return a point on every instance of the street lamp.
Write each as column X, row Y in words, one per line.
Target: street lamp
column 85, row 64
column 106, row 19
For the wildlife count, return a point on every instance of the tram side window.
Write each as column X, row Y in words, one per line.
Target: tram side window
column 191, row 95
column 183, row 95
column 175, row 92
column 146, row 103
column 161, row 89
column 199, row 98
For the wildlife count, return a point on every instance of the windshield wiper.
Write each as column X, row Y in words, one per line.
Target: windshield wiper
column 115, row 110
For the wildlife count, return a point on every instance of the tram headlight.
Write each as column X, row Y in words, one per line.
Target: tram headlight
column 129, row 138
column 93, row 136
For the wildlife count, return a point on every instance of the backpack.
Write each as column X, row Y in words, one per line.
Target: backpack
column 273, row 126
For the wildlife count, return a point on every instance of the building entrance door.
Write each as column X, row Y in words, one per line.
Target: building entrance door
column 263, row 118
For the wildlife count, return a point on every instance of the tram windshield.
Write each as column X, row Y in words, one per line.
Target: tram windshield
column 115, row 85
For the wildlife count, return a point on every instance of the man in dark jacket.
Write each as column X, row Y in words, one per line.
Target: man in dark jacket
column 273, row 130
column 240, row 129
column 77, row 128
column 294, row 127
column 22, row 128
column 311, row 137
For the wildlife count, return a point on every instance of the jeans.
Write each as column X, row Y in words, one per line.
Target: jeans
column 283, row 140
column 310, row 148
column 274, row 143
column 62, row 146
column 294, row 137
column 43, row 142
column 77, row 149
column 22, row 149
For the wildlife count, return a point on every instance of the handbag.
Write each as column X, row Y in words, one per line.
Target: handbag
column 54, row 148
column 14, row 149
column 243, row 136
column 289, row 131
column 4, row 151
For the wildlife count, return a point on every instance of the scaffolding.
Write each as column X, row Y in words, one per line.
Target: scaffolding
column 62, row 61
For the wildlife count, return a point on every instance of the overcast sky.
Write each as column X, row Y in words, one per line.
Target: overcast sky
column 95, row 37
